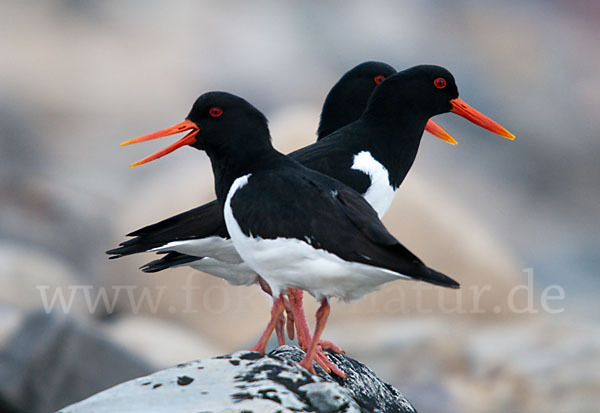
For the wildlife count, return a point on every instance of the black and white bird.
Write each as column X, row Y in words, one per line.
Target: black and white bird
column 297, row 228
column 293, row 218
column 192, row 231
column 373, row 157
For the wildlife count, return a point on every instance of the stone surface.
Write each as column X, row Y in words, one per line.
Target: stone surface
column 247, row 381
column 531, row 363
column 54, row 360
column 32, row 279
column 162, row 342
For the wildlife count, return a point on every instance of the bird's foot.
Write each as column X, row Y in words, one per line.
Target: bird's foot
column 328, row 345
column 314, row 352
column 327, row 365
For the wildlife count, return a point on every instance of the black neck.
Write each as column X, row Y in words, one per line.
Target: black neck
column 395, row 143
column 335, row 115
column 229, row 164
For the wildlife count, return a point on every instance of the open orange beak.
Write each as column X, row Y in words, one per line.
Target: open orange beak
column 461, row 108
column 188, row 139
column 439, row 132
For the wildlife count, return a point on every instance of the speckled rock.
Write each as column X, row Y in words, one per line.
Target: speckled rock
column 361, row 382
column 250, row 382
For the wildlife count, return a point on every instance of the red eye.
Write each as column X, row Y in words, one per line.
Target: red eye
column 215, row 111
column 440, row 83
column 379, row 78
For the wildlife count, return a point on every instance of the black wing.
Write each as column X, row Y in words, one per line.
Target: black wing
column 328, row 215
column 169, row 260
column 328, row 156
column 334, row 156
column 203, row 221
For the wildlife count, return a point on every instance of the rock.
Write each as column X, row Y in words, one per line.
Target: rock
column 527, row 363
column 61, row 219
column 53, row 360
column 250, row 381
column 361, row 382
column 162, row 342
column 11, row 319
column 546, row 363
column 34, row 279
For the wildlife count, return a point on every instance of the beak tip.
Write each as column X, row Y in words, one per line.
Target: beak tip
column 448, row 138
column 506, row 134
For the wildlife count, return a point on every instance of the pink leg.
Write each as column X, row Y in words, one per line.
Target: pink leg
column 279, row 330
column 290, row 319
column 279, row 326
column 304, row 337
column 313, row 352
column 297, row 309
column 276, row 313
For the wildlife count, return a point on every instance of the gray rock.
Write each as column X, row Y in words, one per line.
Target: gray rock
column 54, row 360
column 250, row 382
column 361, row 382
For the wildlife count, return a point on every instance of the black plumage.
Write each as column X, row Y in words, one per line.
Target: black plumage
column 389, row 131
column 343, row 105
column 348, row 98
column 284, row 199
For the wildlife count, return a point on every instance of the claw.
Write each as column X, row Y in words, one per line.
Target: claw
column 328, row 345
column 327, row 365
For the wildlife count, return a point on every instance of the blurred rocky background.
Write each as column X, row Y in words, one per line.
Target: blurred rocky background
column 515, row 222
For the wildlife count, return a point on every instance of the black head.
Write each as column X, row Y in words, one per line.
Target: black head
column 348, row 98
column 219, row 122
column 425, row 89
column 421, row 92
column 226, row 120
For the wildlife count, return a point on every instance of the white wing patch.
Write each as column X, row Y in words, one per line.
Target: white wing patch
column 381, row 193
column 216, row 247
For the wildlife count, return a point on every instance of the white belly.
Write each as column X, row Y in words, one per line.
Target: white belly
column 291, row 263
column 381, row 193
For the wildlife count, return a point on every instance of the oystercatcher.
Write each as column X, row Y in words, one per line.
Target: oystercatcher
column 372, row 155
column 348, row 98
column 387, row 101
column 201, row 229
column 294, row 226
column 176, row 235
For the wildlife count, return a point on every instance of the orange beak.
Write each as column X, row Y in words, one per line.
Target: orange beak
column 188, row 139
column 461, row 108
column 439, row 132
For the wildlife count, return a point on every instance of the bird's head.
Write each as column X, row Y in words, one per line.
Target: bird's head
column 429, row 90
column 348, row 99
column 218, row 121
